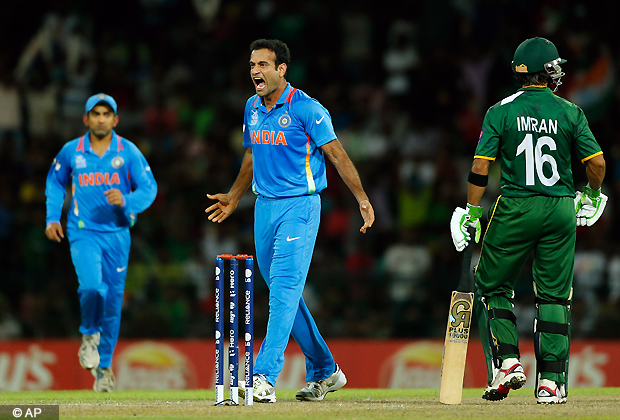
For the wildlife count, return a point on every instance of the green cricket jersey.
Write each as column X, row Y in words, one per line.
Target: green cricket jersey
column 532, row 133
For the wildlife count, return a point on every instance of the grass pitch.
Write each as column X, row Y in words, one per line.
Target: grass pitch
column 583, row 403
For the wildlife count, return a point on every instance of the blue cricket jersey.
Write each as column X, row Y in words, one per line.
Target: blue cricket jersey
column 122, row 166
column 285, row 143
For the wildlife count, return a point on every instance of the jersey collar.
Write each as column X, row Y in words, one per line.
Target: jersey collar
column 84, row 143
column 259, row 101
column 284, row 95
column 535, row 89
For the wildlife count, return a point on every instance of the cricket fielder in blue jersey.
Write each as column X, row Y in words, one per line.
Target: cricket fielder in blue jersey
column 287, row 135
column 111, row 182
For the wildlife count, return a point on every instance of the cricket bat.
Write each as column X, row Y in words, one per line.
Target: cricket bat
column 457, row 332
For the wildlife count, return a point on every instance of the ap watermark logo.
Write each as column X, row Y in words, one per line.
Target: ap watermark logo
column 29, row 412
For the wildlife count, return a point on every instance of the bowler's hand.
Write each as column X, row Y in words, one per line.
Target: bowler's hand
column 53, row 231
column 368, row 214
column 115, row 197
column 222, row 209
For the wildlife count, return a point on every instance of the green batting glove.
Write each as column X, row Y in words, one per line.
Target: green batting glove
column 475, row 213
column 589, row 205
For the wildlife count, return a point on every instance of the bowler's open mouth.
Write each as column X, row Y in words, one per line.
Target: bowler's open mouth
column 259, row 83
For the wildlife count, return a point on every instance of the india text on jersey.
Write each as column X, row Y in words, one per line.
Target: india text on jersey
column 268, row 137
column 98, row 178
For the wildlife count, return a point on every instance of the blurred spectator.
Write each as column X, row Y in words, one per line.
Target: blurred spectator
column 406, row 264
column 9, row 324
column 10, row 112
column 614, row 280
column 590, row 266
column 400, row 58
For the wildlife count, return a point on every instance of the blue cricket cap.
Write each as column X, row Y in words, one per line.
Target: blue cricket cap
column 98, row 98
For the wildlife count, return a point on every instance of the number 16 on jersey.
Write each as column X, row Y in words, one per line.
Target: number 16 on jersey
column 535, row 158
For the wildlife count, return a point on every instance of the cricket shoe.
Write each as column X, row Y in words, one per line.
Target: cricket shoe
column 316, row 390
column 88, row 353
column 104, row 379
column 263, row 391
column 509, row 376
column 550, row 392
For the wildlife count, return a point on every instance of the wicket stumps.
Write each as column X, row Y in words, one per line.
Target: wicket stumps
column 233, row 350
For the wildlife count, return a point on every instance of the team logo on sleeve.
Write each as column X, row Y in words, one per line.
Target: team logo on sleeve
column 80, row 162
column 481, row 133
column 117, row 162
column 254, row 117
column 56, row 164
column 284, row 120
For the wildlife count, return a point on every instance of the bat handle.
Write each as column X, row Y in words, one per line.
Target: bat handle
column 466, row 283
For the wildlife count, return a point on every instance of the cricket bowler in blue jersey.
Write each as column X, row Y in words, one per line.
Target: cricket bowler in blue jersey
column 111, row 182
column 287, row 135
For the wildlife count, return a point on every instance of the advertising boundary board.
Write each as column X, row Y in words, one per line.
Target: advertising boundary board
column 189, row 364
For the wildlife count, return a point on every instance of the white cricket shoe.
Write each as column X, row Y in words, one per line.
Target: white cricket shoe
column 316, row 390
column 263, row 391
column 88, row 353
column 104, row 380
column 550, row 392
column 509, row 376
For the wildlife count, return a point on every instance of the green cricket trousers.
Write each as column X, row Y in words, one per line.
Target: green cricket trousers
column 517, row 228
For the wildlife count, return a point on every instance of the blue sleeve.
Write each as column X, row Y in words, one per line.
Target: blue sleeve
column 56, row 185
column 247, row 142
column 316, row 121
column 142, row 182
column 246, row 132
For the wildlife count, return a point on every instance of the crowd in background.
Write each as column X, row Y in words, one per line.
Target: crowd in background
column 407, row 88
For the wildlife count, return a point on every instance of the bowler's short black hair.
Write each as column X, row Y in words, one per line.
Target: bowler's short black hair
column 283, row 55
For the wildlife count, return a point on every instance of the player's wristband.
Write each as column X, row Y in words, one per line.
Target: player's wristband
column 477, row 179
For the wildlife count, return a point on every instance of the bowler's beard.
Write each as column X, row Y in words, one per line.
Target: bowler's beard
column 100, row 134
column 266, row 94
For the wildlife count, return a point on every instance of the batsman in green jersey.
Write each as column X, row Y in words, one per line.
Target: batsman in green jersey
column 532, row 133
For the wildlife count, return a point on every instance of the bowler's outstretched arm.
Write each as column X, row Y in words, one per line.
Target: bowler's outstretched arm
column 227, row 203
column 338, row 156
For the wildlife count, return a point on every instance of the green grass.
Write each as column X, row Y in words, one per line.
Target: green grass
column 583, row 403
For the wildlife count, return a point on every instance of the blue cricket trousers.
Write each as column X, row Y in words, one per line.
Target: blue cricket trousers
column 100, row 260
column 285, row 231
